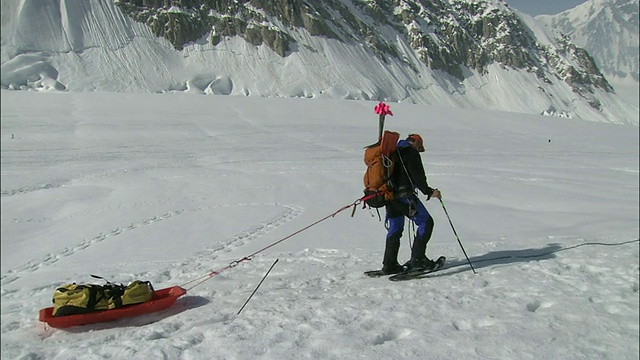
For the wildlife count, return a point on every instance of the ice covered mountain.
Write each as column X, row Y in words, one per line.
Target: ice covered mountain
column 462, row 53
column 608, row 30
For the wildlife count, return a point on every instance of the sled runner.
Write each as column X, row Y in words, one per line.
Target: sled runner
column 161, row 300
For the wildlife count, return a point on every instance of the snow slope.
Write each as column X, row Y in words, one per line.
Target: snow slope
column 87, row 46
column 169, row 187
column 608, row 30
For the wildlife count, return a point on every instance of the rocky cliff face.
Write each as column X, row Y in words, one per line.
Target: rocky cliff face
column 608, row 30
column 458, row 53
column 453, row 36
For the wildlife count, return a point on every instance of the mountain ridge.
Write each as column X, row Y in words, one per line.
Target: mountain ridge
column 482, row 63
column 609, row 31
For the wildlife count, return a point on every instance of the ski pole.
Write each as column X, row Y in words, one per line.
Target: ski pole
column 457, row 237
column 256, row 289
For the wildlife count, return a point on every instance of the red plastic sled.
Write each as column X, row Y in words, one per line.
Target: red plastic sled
column 162, row 299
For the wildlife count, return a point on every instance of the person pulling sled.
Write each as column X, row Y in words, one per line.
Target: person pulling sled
column 408, row 177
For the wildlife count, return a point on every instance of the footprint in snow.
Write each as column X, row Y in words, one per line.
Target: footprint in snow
column 391, row 335
column 536, row 304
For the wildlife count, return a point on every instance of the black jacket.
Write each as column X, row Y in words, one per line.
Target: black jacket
column 408, row 172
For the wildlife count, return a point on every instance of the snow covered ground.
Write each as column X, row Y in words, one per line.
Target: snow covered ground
column 169, row 187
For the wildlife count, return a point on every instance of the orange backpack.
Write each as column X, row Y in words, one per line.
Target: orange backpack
column 380, row 160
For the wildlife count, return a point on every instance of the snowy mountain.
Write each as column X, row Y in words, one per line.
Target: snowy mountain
column 608, row 30
column 460, row 53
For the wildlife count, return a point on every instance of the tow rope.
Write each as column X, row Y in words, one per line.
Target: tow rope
column 235, row 263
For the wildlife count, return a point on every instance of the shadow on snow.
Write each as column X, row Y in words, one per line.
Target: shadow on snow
column 515, row 256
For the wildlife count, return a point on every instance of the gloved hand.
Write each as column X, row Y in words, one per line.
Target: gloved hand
column 436, row 194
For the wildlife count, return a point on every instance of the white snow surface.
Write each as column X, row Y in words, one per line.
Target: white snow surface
column 172, row 187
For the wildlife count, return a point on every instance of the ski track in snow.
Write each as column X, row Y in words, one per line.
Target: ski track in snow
column 28, row 189
column 52, row 258
column 199, row 260
column 92, row 176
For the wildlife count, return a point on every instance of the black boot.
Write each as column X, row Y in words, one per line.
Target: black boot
column 419, row 249
column 423, row 263
column 390, row 263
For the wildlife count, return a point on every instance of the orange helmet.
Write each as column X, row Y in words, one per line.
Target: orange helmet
column 417, row 139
